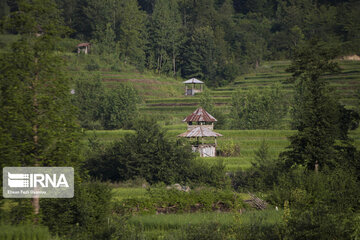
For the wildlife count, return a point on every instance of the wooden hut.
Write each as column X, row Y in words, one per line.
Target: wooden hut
column 193, row 86
column 199, row 127
column 83, row 47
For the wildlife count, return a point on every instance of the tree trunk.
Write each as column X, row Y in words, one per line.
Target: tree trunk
column 35, row 200
column 174, row 64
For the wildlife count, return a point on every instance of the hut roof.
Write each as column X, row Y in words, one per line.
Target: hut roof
column 200, row 115
column 193, row 80
column 83, row 44
column 200, row 131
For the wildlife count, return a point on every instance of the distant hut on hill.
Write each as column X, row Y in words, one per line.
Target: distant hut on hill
column 200, row 125
column 193, row 86
column 83, row 47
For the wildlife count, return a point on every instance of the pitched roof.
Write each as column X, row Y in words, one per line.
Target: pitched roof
column 200, row 115
column 193, row 80
column 200, row 131
column 83, row 44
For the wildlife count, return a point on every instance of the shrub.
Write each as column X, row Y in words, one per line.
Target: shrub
column 92, row 66
column 98, row 108
column 258, row 109
column 163, row 200
column 83, row 217
column 229, row 149
column 119, row 108
column 321, row 204
column 152, row 155
column 261, row 176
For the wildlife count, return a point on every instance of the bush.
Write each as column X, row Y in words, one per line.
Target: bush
column 258, row 109
column 229, row 149
column 83, row 217
column 152, row 155
column 119, row 107
column 22, row 213
column 261, row 176
column 101, row 109
column 163, row 200
column 92, row 66
column 321, row 204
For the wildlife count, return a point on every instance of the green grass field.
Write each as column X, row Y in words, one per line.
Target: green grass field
column 167, row 225
column 248, row 140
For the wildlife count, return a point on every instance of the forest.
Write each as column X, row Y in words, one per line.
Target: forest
column 281, row 77
column 213, row 40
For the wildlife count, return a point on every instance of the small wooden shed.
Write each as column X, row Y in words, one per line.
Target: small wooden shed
column 200, row 125
column 83, row 47
column 193, row 86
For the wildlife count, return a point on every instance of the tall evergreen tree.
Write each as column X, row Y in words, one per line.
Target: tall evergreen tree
column 315, row 112
column 166, row 35
column 132, row 33
column 37, row 121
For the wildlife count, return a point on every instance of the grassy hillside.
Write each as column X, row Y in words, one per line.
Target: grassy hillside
column 173, row 105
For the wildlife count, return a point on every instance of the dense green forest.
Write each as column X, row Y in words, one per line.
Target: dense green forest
column 213, row 40
column 287, row 105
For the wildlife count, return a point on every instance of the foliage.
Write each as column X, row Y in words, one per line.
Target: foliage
column 230, row 149
column 262, row 175
column 9, row 232
column 248, row 225
column 258, row 108
column 37, row 121
column 321, row 204
column 152, row 155
column 165, row 35
column 89, row 95
column 318, row 117
column 83, row 217
column 132, row 33
column 162, row 200
column 119, row 107
column 98, row 108
column 213, row 40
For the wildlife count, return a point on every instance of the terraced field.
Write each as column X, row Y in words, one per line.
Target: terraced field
column 163, row 98
column 346, row 83
column 248, row 141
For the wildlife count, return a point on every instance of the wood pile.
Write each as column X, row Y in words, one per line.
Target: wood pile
column 256, row 202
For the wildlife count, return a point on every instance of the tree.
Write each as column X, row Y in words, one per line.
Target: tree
column 99, row 13
column 88, row 98
column 200, row 55
column 148, row 153
column 132, row 33
column 166, row 35
column 37, row 121
column 206, row 102
column 258, row 109
column 119, row 107
column 315, row 112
